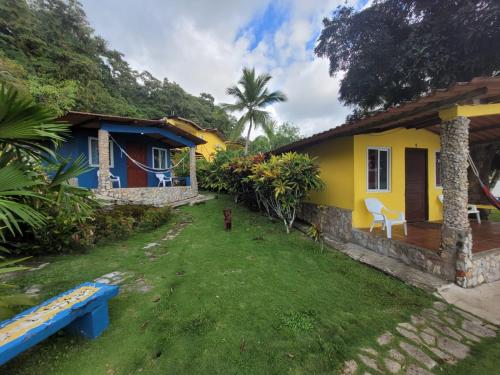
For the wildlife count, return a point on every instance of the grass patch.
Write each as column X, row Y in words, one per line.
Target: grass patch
column 495, row 215
column 222, row 303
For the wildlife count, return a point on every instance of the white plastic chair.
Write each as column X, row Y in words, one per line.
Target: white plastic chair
column 376, row 208
column 162, row 179
column 471, row 209
column 112, row 178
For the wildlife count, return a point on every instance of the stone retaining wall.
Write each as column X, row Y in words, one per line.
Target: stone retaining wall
column 155, row 196
column 439, row 264
column 485, row 268
column 332, row 221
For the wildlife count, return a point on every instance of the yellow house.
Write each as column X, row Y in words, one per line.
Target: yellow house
column 387, row 166
column 414, row 159
column 215, row 140
column 400, row 167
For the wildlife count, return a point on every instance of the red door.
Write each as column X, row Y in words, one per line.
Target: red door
column 136, row 177
column 416, row 200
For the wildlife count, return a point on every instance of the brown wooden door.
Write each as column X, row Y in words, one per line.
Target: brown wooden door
column 136, row 177
column 416, row 200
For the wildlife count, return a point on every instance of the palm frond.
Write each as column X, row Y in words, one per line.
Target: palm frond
column 25, row 126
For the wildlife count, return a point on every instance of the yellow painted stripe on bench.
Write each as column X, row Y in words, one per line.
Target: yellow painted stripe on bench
column 38, row 317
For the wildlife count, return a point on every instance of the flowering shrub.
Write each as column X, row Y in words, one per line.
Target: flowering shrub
column 277, row 184
column 283, row 181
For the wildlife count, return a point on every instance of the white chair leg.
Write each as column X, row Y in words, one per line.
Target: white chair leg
column 405, row 228
column 371, row 228
column 478, row 215
column 389, row 230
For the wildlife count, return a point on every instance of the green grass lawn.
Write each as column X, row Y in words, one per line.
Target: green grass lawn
column 495, row 215
column 250, row 301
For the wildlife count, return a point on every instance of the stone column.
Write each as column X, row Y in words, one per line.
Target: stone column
column 456, row 237
column 192, row 170
column 104, row 183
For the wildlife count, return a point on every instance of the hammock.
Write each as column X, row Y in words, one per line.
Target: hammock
column 143, row 166
column 487, row 193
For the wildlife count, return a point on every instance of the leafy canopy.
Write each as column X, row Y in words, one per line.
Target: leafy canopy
column 48, row 49
column 396, row 50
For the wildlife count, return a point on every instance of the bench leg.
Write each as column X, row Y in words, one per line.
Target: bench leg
column 91, row 325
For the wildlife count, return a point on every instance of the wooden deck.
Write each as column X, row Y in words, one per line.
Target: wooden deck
column 485, row 236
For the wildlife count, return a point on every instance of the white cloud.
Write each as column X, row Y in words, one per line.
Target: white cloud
column 194, row 43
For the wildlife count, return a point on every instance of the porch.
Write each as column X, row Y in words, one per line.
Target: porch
column 427, row 235
column 130, row 159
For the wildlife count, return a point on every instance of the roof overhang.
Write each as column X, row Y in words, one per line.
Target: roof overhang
column 470, row 99
column 158, row 129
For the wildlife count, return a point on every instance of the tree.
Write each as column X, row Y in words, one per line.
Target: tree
column 395, row 50
column 47, row 48
column 275, row 135
column 252, row 96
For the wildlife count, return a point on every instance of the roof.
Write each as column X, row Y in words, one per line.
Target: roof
column 422, row 113
column 92, row 120
column 186, row 120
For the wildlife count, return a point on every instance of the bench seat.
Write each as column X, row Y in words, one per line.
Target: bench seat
column 82, row 310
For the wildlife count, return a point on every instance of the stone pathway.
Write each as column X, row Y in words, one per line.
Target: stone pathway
column 439, row 335
column 113, row 278
column 174, row 232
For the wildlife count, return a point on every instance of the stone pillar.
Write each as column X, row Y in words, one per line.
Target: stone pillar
column 192, row 170
column 456, row 237
column 104, row 183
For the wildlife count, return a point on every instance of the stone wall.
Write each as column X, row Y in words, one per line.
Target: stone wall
column 485, row 268
column 332, row 221
column 439, row 264
column 155, row 196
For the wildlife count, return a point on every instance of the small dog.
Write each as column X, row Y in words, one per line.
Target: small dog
column 228, row 217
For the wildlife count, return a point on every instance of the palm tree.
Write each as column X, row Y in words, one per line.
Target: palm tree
column 252, row 96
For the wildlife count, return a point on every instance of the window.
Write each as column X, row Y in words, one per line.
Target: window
column 378, row 169
column 438, row 169
column 94, row 152
column 160, row 158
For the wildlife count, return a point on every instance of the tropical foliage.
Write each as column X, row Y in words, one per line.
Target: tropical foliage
column 395, row 50
column 252, row 96
column 277, row 184
column 283, row 181
column 275, row 135
column 48, row 49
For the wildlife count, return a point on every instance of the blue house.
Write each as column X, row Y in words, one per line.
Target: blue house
column 131, row 158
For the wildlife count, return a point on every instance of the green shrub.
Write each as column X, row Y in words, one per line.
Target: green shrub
column 120, row 221
column 277, row 184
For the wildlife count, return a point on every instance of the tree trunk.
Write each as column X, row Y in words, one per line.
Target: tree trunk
column 248, row 136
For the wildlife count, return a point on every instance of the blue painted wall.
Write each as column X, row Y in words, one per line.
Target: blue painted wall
column 78, row 144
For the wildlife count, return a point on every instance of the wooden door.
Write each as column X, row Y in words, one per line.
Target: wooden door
column 136, row 177
column 416, row 194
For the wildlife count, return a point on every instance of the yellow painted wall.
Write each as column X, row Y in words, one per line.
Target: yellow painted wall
column 397, row 140
column 214, row 142
column 336, row 161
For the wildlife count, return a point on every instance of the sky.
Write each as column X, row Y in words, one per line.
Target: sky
column 204, row 44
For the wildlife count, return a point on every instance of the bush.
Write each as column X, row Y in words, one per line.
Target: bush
column 120, row 221
column 277, row 184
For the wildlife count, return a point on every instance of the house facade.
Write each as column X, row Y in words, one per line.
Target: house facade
column 214, row 139
column 413, row 159
column 125, row 155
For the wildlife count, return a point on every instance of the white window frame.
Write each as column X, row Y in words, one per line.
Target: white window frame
column 435, row 169
column 389, row 168
column 153, row 156
column 111, row 153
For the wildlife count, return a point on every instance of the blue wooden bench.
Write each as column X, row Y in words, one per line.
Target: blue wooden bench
column 82, row 310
